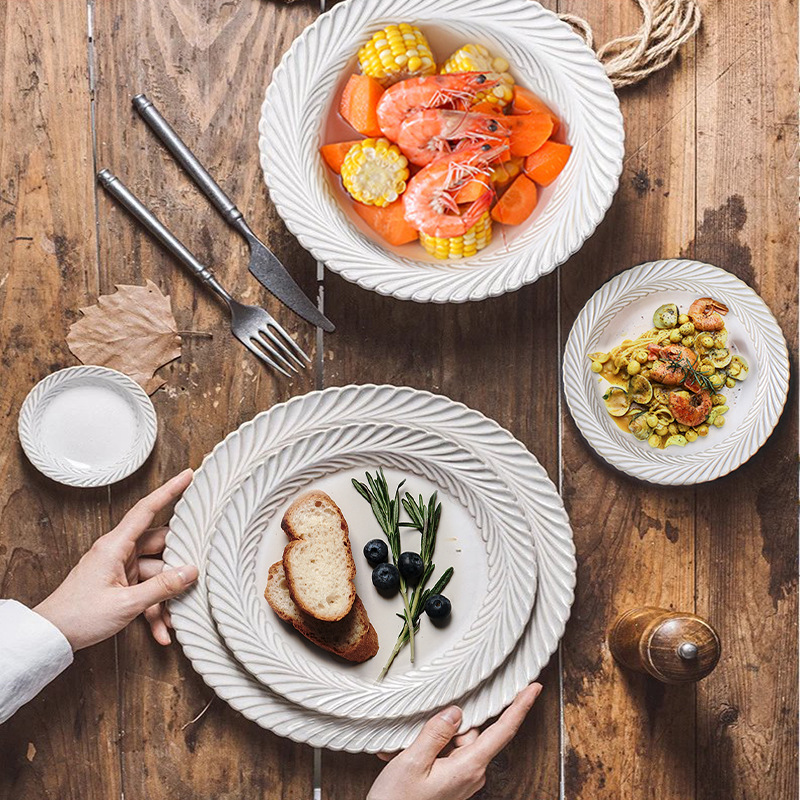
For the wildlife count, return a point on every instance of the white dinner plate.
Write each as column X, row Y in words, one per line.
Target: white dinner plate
column 483, row 536
column 234, row 459
column 623, row 308
column 545, row 54
column 87, row 426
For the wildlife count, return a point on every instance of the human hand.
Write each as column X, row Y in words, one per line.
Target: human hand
column 118, row 578
column 421, row 773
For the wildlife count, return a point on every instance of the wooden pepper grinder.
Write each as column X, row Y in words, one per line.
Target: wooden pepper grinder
column 672, row 646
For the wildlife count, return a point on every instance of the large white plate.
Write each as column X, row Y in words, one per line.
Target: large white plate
column 491, row 550
column 546, row 56
column 624, row 307
column 197, row 513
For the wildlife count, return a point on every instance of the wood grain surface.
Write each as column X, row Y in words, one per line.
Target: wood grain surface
column 710, row 172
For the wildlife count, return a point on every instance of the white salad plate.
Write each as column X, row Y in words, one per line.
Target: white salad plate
column 482, row 535
column 87, row 426
column 623, row 308
column 546, row 55
column 235, row 459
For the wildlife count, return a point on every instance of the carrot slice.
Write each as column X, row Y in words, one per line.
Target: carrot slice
column 334, row 153
column 359, row 104
column 517, row 203
column 529, row 132
column 389, row 222
column 545, row 165
column 471, row 191
column 526, row 102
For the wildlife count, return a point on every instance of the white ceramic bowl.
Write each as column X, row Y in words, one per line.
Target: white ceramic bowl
column 623, row 308
column 87, row 426
column 546, row 56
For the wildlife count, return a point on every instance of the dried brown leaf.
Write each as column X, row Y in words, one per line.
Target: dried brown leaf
column 132, row 331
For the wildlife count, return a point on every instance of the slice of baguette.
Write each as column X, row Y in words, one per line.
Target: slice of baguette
column 318, row 561
column 353, row 638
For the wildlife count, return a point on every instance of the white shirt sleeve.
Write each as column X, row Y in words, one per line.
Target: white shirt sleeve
column 33, row 652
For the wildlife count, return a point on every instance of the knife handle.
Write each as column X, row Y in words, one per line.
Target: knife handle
column 117, row 189
column 186, row 158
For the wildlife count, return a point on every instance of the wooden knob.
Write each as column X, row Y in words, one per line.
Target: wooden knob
column 672, row 646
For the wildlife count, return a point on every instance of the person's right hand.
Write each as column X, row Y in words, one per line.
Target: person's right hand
column 420, row 773
column 121, row 577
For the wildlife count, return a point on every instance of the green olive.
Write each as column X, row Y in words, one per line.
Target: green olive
column 706, row 340
column 719, row 422
column 675, row 336
column 597, row 366
column 652, row 420
column 683, row 319
column 687, row 329
column 702, row 430
column 706, row 369
column 687, row 341
column 661, row 430
column 654, row 440
column 717, row 380
column 633, row 367
column 673, row 428
column 641, row 356
column 730, row 383
column 718, row 399
column 691, row 435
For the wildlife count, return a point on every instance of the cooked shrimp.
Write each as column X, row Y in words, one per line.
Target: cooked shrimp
column 670, row 366
column 690, row 408
column 427, row 133
column 706, row 313
column 456, row 90
column 429, row 199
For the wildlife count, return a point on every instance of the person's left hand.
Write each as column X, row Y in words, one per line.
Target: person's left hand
column 119, row 577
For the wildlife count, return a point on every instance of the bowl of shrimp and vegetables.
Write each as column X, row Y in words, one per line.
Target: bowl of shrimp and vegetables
column 453, row 152
column 449, row 149
column 668, row 385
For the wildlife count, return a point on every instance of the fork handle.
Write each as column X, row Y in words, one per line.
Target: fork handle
column 187, row 159
column 117, row 189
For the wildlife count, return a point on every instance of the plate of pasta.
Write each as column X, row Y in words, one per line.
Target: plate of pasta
column 676, row 372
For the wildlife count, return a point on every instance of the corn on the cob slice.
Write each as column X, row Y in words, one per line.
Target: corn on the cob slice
column 396, row 53
column 476, row 58
column 474, row 240
column 375, row 172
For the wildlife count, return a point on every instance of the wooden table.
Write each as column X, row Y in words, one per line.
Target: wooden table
column 710, row 173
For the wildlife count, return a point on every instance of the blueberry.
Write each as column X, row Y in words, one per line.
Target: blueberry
column 411, row 566
column 376, row 551
column 437, row 606
column 386, row 578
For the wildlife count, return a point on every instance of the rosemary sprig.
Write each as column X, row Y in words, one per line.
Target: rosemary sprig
column 387, row 511
column 425, row 518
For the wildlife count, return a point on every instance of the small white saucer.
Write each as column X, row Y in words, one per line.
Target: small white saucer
column 87, row 426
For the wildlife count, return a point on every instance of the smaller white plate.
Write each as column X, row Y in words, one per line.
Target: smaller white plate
column 87, row 426
column 622, row 308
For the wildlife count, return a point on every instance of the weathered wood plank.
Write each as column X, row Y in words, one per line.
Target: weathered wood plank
column 48, row 268
column 627, row 737
column 747, row 148
column 207, row 71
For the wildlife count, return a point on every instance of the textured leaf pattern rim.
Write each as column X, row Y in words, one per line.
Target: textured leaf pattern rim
column 235, row 596
column 656, row 466
column 34, row 405
column 221, row 472
column 549, row 56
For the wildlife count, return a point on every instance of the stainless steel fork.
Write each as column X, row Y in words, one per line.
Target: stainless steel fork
column 254, row 327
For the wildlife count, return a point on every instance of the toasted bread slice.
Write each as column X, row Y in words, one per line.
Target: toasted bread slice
column 352, row 638
column 318, row 562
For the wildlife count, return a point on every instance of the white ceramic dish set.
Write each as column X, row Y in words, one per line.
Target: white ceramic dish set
column 228, row 522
